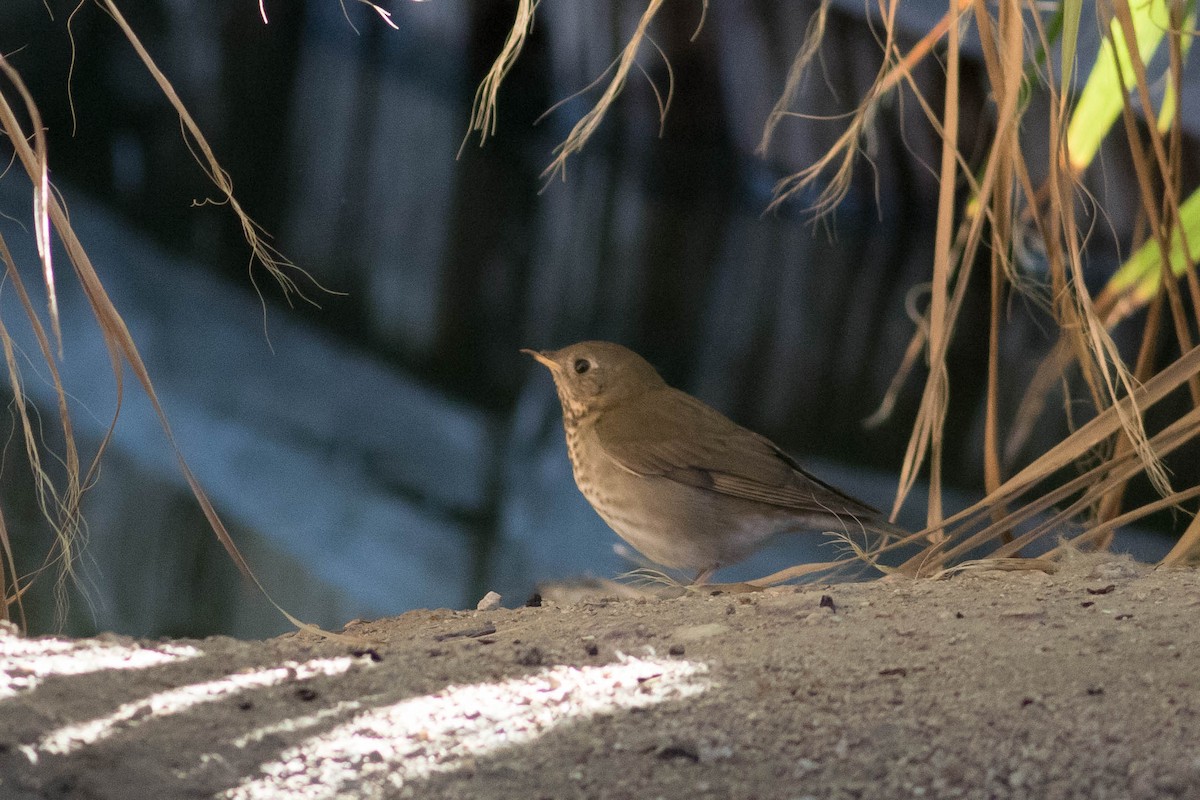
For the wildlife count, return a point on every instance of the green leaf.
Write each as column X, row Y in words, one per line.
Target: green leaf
column 1071, row 11
column 1139, row 277
column 1101, row 100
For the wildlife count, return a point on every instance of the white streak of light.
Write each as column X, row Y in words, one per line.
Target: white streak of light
column 381, row 750
column 292, row 724
column 174, row 701
column 24, row 663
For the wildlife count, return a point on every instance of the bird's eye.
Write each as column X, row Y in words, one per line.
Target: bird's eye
column 581, row 366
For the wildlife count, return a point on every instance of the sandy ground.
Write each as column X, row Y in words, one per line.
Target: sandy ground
column 1081, row 684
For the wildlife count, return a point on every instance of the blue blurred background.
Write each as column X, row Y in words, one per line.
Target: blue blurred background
column 387, row 447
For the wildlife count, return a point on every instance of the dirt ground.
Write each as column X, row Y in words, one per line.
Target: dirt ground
column 1080, row 684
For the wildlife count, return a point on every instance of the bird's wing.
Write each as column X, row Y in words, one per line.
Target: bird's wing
column 673, row 435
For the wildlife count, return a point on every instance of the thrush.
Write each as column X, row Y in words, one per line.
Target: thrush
column 684, row 485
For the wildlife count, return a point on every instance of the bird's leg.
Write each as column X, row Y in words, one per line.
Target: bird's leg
column 703, row 575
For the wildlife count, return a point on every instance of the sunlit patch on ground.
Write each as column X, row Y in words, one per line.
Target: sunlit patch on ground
column 410, row 740
column 24, row 663
column 174, row 701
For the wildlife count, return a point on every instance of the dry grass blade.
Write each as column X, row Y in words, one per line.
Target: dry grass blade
column 122, row 351
column 383, row 13
column 1095, row 486
column 589, row 122
column 9, row 598
column 1094, row 483
column 935, row 400
column 276, row 264
column 802, row 571
column 1186, row 550
column 1067, row 451
column 836, row 166
column 41, row 195
column 813, row 37
column 59, row 506
column 1005, row 67
column 1001, row 565
column 1161, row 228
column 1109, row 421
column 1005, row 32
column 483, row 108
column 955, row 256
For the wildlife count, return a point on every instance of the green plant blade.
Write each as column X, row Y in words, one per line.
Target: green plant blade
column 1101, row 99
column 1139, row 277
column 1071, row 11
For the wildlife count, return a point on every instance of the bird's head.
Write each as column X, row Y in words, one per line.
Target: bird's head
column 592, row 376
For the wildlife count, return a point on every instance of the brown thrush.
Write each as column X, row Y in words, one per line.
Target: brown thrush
column 679, row 481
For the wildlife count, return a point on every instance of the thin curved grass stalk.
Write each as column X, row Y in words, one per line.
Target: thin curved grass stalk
column 701, row 21
column 41, row 197
column 277, row 265
column 1061, row 455
column 896, row 68
column 862, row 553
column 998, row 564
column 1104, row 530
column 1104, row 371
column 1049, row 373
column 1176, row 224
column 813, row 36
column 1094, row 483
column 60, row 508
column 383, row 13
column 483, row 107
column 801, row 571
column 1006, row 72
column 1161, row 223
column 1187, row 549
column 912, row 353
column 1133, row 285
column 582, row 131
column 649, row 576
column 123, row 352
column 14, row 597
column 1110, row 504
column 1073, row 310
column 926, row 438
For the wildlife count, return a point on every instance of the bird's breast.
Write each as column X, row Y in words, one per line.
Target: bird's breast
column 610, row 488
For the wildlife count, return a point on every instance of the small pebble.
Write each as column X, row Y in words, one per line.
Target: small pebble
column 490, row 602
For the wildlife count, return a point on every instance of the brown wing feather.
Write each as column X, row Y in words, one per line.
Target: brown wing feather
column 646, row 435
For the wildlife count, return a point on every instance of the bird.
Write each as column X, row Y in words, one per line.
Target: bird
column 683, row 484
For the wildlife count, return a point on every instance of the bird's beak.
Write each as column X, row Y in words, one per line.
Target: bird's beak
column 542, row 359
